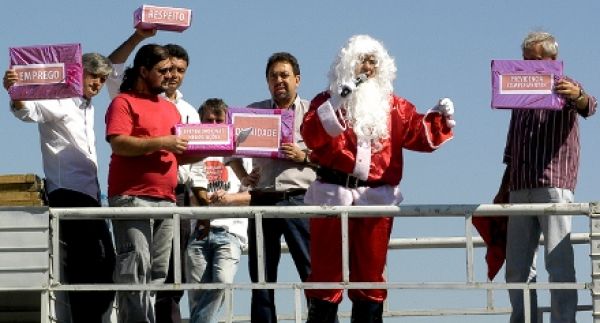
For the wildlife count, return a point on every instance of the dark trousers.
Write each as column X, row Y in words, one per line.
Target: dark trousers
column 167, row 302
column 89, row 256
column 297, row 237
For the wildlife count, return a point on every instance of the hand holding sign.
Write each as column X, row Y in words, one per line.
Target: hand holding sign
column 10, row 78
column 292, row 152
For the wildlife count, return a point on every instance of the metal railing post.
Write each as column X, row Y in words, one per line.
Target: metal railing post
column 298, row 304
column 176, row 249
column 345, row 249
column 595, row 259
column 469, row 236
column 229, row 305
column 260, row 244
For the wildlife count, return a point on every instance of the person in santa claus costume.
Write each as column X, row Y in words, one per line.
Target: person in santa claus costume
column 356, row 133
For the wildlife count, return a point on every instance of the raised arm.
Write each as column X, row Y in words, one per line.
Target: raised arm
column 121, row 53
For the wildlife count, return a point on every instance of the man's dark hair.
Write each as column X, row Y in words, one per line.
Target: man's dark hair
column 214, row 105
column 285, row 58
column 178, row 52
column 147, row 56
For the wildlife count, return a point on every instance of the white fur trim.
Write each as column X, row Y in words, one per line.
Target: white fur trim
column 326, row 194
column 428, row 131
column 329, row 119
column 363, row 159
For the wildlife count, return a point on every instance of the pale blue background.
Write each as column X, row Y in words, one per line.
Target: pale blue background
column 442, row 48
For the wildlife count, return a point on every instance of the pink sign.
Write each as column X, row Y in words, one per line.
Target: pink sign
column 209, row 139
column 264, row 131
column 260, row 132
column 40, row 74
column 163, row 18
column 526, row 83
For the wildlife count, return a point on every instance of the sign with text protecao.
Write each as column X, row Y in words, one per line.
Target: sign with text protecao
column 526, row 84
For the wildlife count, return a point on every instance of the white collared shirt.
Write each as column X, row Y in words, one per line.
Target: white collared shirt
column 68, row 142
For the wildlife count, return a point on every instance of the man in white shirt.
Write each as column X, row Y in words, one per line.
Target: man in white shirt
column 167, row 302
column 68, row 145
column 215, row 247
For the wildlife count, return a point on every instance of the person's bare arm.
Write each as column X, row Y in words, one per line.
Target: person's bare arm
column 121, row 53
column 130, row 146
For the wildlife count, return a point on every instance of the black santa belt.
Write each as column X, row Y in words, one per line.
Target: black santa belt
column 332, row 176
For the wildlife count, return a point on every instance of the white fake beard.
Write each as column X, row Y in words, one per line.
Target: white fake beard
column 367, row 111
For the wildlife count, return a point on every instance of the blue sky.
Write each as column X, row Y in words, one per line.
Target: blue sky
column 442, row 49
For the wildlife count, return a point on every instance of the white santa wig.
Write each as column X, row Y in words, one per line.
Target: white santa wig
column 367, row 109
column 343, row 68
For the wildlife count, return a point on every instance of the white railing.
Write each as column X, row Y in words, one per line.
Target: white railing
column 469, row 242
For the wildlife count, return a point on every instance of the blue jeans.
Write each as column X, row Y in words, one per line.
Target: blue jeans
column 143, row 252
column 521, row 248
column 214, row 259
column 297, row 237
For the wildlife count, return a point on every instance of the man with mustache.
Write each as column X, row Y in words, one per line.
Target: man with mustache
column 143, row 173
column 167, row 302
column 280, row 182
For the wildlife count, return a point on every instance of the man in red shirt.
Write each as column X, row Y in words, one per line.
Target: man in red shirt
column 143, row 173
column 357, row 132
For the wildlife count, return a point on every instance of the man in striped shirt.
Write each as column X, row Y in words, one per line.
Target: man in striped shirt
column 542, row 160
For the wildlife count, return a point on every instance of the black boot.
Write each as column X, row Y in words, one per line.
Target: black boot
column 320, row 311
column 366, row 312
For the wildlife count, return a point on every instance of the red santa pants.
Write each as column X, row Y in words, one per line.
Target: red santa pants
column 368, row 245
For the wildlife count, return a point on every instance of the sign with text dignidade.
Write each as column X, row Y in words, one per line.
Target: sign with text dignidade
column 260, row 132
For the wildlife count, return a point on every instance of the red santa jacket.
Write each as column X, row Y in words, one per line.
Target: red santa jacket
column 335, row 146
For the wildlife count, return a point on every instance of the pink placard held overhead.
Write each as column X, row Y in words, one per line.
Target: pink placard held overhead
column 163, row 18
column 526, row 84
column 46, row 72
column 260, row 132
column 208, row 139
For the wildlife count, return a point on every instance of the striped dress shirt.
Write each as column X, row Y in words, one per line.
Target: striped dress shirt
column 542, row 147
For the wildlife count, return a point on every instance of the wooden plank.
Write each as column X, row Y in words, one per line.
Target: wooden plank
column 19, row 178
column 20, row 182
column 19, row 196
column 38, row 202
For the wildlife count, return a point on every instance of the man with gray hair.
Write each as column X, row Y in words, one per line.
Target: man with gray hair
column 542, row 160
column 68, row 146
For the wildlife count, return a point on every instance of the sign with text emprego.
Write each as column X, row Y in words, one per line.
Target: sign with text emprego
column 46, row 72
column 526, row 84
column 39, row 74
column 163, row 18
column 260, row 132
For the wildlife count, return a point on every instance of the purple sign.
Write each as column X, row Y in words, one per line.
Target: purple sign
column 260, row 132
column 46, row 72
column 526, row 84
